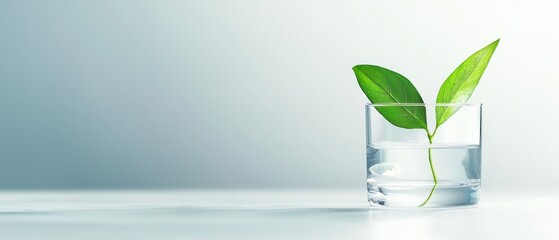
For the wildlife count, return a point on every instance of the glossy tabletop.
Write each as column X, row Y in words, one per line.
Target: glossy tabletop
column 254, row 214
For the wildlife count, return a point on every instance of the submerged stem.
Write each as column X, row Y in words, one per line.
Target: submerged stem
column 430, row 136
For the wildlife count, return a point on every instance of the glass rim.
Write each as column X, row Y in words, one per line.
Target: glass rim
column 423, row 104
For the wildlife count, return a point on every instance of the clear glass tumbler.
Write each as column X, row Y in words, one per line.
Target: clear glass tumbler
column 433, row 167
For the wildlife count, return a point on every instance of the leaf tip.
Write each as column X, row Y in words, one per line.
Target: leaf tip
column 495, row 43
column 357, row 67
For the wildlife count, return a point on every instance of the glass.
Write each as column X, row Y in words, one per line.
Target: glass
column 405, row 169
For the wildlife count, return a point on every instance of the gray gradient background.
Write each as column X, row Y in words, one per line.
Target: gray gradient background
column 253, row 94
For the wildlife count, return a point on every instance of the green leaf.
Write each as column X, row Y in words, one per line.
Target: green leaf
column 462, row 82
column 385, row 86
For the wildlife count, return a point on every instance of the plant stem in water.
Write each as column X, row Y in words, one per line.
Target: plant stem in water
column 430, row 136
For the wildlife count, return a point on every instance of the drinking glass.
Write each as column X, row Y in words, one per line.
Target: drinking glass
column 406, row 168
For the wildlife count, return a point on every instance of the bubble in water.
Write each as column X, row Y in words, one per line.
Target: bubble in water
column 385, row 169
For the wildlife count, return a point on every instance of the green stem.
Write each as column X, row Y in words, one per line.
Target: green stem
column 430, row 136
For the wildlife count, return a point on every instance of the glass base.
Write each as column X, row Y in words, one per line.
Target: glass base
column 414, row 193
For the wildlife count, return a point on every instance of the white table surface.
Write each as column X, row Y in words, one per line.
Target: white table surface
column 281, row 214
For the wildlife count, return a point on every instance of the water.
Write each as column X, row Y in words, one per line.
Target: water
column 398, row 174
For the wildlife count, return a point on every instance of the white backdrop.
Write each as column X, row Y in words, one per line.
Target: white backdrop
column 134, row 94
